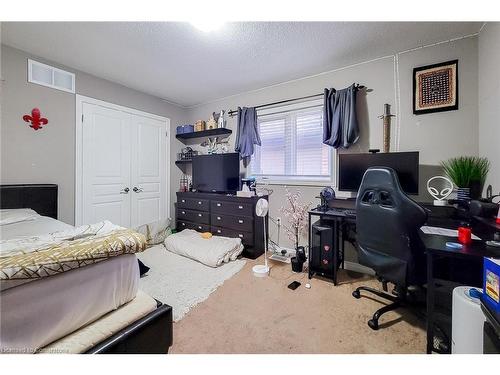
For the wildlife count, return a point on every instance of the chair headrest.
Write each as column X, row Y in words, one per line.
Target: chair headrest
column 381, row 178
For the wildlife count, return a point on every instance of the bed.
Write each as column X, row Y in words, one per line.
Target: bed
column 93, row 309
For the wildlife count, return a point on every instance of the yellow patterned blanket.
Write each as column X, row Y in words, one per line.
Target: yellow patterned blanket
column 24, row 259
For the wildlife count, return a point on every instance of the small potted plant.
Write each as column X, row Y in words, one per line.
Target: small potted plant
column 468, row 173
column 297, row 215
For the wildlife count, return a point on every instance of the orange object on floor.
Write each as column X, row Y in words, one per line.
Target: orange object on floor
column 206, row 235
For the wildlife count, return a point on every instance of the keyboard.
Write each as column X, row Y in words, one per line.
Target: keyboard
column 341, row 212
column 350, row 212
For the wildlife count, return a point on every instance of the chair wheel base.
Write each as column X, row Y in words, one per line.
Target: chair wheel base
column 356, row 294
column 373, row 324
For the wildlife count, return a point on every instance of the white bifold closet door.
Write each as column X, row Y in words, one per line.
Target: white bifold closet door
column 123, row 167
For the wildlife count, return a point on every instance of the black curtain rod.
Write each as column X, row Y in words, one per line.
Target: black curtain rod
column 234, row 112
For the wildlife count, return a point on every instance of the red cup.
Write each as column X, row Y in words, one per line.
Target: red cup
column 464, row 235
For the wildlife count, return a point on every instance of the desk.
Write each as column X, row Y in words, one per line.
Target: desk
column 439, row 258
column 491, row 331
column 436, row 250
column 341, row 212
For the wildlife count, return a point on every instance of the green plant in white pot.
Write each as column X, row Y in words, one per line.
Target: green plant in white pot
column 468, row 173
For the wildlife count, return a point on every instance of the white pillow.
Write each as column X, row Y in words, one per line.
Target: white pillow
column 17, row 215
column 155, row 232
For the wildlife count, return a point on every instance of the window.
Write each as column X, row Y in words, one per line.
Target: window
column 48, row 76
column 292, row 147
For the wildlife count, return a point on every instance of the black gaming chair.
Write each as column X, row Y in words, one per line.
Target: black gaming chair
column 387, row 225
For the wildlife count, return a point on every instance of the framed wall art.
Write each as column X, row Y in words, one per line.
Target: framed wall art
column 435, row 88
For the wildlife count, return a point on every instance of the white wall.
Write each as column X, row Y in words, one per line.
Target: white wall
column 489, row 100
column 442, row 135
column 438, row 136
column 48, row 155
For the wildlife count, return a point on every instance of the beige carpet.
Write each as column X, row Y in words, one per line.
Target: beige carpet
column 261, row 315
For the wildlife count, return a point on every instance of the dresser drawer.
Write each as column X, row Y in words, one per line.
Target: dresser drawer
column 239, row 223
column 231, row 208
column 201, row 227
column 181, row 225
column 246, row 237
column 193, row 204
column 193, row 216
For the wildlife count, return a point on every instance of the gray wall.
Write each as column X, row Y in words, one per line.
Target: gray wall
column 48, row 155
column 438, row 136
column 489, row 100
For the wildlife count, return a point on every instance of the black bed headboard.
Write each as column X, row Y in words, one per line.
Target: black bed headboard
column 40, row 197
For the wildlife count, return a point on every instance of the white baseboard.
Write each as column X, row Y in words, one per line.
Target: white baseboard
column 356, row 267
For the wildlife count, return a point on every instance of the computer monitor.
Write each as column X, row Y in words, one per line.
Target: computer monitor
column 352, row 167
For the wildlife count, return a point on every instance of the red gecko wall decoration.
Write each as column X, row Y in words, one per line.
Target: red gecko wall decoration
column 35, row 119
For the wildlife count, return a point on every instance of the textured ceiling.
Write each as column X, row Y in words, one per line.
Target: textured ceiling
column 176, row 62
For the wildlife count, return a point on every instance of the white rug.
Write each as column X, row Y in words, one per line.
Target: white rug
column 181, row 282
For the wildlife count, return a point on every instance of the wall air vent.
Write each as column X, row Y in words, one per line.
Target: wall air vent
column 46, row 75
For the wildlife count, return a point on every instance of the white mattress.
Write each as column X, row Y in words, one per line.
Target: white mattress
column 38, row 226
column 35, row 314
column 85, row 338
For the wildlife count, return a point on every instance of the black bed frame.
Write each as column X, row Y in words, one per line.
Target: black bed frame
column 152, row 334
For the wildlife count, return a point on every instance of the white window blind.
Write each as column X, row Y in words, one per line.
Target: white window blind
column 292, row 147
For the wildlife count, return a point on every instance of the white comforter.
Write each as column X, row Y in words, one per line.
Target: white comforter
column 31, row 243
column 211, row 252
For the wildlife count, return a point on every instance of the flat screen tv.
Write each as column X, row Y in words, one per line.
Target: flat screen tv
column 216, row 173
column 352, row 167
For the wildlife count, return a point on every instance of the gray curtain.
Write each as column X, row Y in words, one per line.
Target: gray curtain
column 340, row 123
column 247, row 135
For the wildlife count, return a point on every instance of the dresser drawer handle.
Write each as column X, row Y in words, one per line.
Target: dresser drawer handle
column 219, row 231
column 199, row 228
column 240, row 207
column 199, row 202
column 183, row 212
column 183, row 201
column 218, row 204
column 183, row 224
column 218, row 217
column 240, row 221
column 200, row 215
column 240, row 235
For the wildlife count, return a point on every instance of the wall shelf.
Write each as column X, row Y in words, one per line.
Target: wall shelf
column 219, row 132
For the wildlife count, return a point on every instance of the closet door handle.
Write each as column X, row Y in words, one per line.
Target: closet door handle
column 136, row 189
column 125, row 191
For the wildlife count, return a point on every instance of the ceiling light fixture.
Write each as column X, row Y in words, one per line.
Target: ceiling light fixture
column 207, row 25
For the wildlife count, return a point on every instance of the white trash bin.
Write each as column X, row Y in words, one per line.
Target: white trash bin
column 466, row 322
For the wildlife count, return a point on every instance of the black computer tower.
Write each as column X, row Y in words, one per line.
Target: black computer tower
column 322, row 257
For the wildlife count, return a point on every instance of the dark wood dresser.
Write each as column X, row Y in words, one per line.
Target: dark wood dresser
column 223, row 215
